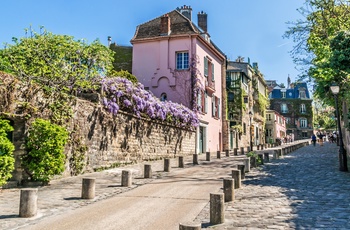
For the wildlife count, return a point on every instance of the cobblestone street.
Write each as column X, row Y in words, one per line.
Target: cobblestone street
column 304, row 190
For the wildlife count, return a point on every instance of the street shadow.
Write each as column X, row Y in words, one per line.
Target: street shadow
column 73, row 198
column 9, row 216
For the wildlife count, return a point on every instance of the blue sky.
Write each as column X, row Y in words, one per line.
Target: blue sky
column 252, row 29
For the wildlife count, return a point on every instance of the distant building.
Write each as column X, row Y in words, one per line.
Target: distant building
column 275, row 126
column 295, row 104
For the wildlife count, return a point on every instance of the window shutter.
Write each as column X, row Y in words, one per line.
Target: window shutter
column 212, row 71
column 205, row 66
column 213, row 106
column 199, row 99
column 218, row 107
column 206, row 103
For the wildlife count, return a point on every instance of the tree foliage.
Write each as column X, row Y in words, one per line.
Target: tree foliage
column 45, row 144
column 56, row 60
column 7, row 160
column 313, row 36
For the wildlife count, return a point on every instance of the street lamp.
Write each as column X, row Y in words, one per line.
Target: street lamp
column 342, row 152
column 251, row 130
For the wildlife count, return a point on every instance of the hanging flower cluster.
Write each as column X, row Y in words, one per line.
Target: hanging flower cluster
column 122, row 94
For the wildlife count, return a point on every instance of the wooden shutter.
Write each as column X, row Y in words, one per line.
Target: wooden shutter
column 205, row 66
column 212, row 71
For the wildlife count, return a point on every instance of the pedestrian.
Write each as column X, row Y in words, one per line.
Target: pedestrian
column 313, row 139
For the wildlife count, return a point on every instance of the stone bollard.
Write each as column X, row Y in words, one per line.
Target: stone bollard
column 166, row 165
column 181, row 161
column 28, row 202
column 261, row 158
column 248, row 149
column 241, row 167
column 247, row 164
column 279, row 151
column 88, row 188
column 242, row 150
column 275, row 154
column 217, row 208
column 229, row 190
column 258, row 147
column 195, row 159
column 207, row 156
column 235, row 151
column 218, row 154
column 126, row 178
column 227, row 152
column 190, row 226
column 236, row 175
column 266, row 157
column 262, row 147
column 147, row 172
column 253, row 162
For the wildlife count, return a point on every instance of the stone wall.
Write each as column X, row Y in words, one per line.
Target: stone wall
column 125, row 138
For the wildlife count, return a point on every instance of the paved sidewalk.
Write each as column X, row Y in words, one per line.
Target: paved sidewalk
column 304, row 190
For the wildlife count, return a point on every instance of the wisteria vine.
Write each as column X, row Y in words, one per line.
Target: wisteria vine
column 122, row 94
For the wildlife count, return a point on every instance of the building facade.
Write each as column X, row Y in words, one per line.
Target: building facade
column 275, row 127
column 295, row 104
column 177, row 61
column 246, row 104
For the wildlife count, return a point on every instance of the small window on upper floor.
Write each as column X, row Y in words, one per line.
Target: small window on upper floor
column 283, row 94
column 302, row 108
column 208, row 69
column 302, row 94
column 284, row 108
column 182, row 60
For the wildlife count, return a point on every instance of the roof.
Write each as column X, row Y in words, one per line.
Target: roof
column 292, row 93
column 240, row 67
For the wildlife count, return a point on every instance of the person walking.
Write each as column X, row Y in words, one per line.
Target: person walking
column 313, row 139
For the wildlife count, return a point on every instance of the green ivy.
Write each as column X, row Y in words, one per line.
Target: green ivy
column 7, row 160
column 45, row 144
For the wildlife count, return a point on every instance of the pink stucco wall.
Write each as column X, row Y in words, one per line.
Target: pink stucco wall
column 154, row 64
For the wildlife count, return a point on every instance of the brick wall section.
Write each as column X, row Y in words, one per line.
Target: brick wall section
column 126, row 138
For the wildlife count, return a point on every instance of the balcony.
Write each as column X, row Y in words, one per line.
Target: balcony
column 210, row 86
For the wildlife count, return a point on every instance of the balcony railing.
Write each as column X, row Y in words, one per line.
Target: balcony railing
column 210, row 86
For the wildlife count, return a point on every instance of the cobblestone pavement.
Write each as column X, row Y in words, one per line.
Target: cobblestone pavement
column 304, row 190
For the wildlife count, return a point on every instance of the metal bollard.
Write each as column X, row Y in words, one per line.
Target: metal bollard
column 28, row 202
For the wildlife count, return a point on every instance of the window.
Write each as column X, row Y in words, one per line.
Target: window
column 233, row 80
column 268, row 117
column 231, row 97
column 302, row 108
column 245, row 99
column 283, row 94
column 303, row 123
column 163, row 97
column 302, row 94
column 202, row 102
column 287, row 120
column 182, row 60
column 208, row 69
column 284, row 108
column 215, row 102
column 244, row 129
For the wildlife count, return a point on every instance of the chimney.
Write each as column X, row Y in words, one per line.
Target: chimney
column 165, row 25
column 186, row 11
column 202, row 21
column 255, row 65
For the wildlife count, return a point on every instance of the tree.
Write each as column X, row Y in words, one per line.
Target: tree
column 57, row 61
column 323, row 19
column 7, row 160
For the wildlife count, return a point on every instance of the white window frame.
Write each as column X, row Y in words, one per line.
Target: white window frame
column 182, row 60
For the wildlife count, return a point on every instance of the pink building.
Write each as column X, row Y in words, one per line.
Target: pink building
column 275, row 126
column 177, row 61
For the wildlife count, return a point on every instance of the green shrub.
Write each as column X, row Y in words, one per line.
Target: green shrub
column 45, row 146
column 254, row 154
column 7, row 160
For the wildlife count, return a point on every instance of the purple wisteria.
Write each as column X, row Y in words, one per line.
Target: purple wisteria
column 122, row 94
